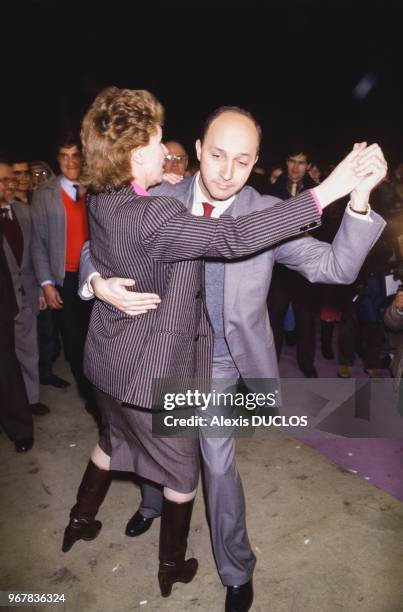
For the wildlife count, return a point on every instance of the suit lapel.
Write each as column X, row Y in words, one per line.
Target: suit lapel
column 231, row 272
column 188, row 199
column 22, row 218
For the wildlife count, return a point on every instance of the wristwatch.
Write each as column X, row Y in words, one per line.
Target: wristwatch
column 360, row 212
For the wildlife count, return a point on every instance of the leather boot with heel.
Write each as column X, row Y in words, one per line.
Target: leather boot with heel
column 91, row 493
column 175, row 522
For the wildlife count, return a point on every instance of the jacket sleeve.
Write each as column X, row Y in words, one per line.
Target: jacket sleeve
column 171, row 233
column 338, row 262
column 40, row 255
column 86, row 269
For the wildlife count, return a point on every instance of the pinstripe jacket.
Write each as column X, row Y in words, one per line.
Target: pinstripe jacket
column 158, row 242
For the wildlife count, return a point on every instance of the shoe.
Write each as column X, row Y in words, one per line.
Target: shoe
column 138, row 525
column 54, row 381
column 23, row 446
column 239, row 598
column 80, row 529
column 310, row 372
column 39, row 409
column 344, row 371
column 174, row 530
column 91, row 493
column 374, row 372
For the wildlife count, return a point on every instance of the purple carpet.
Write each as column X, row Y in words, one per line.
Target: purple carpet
column 378, row 460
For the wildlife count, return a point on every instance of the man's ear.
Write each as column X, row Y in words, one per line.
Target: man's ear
column 198, row 146
column 137, row 156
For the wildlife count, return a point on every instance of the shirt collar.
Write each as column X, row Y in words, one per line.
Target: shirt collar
column 138, row 189
column 68, row 186
column 9, row 210
column 199, row 197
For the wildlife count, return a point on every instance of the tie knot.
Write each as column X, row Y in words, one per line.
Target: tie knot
column 207, row 209
column 5, row 213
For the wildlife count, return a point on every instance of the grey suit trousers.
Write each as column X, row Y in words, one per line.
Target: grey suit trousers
column 26, row 349
column 223, row 489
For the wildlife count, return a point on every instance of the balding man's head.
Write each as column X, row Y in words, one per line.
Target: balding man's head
column 228, row 152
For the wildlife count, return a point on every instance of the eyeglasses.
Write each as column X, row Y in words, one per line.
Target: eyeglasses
column 175, row 158
column 38, row 173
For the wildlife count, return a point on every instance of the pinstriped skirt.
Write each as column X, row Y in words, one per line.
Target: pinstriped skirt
column 127, row 438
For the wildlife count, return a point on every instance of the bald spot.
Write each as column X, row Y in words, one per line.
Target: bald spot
column 234, row 133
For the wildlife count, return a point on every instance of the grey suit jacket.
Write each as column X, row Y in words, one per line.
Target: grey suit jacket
column 23, row 277
column 49, row 238
column 247, row 281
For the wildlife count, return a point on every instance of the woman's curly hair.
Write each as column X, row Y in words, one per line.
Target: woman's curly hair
column 118, row 121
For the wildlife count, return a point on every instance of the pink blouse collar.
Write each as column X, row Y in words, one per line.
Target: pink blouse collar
column 138, row 189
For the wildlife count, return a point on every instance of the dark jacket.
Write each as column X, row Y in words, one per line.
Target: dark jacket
column 8, row 303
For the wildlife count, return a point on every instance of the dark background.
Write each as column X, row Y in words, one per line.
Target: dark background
column 293, row 64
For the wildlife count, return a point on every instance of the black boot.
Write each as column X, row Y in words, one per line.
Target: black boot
column 175, row 521
column 326, row 336
column 91, row 493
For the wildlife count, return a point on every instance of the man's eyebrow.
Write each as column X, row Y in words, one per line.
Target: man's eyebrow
column 223, row 151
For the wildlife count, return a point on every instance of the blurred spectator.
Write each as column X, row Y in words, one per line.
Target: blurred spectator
column 17, row 230
column 289, row 287
column 22, row 173
column 296, row 177
column 314, row 172
column 60, row 222
column 275, row 172
column 48, row 337
column 15, row 416
column 41, row 172
column 176, row 160
column 394, row 322
column 258, row 180
column 358, row 307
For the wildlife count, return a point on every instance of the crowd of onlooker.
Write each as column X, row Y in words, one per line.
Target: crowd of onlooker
column 44, row 226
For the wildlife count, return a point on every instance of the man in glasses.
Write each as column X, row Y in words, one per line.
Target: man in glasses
column 40, row 173
column 176, row 160
column 15, row 416
column 17, row 241
column 22, row 173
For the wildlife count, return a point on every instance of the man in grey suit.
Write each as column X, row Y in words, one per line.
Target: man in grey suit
column 236, row 301
column 17, row 247
column 15, row 416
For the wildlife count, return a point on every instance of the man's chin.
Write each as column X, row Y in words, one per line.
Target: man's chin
column 222, row 194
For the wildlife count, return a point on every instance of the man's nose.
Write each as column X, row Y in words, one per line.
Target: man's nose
column 227, row 170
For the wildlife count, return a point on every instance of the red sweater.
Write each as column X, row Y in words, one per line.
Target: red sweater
column 76, row 230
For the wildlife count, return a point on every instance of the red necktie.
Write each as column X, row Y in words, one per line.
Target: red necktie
column 208, row 209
